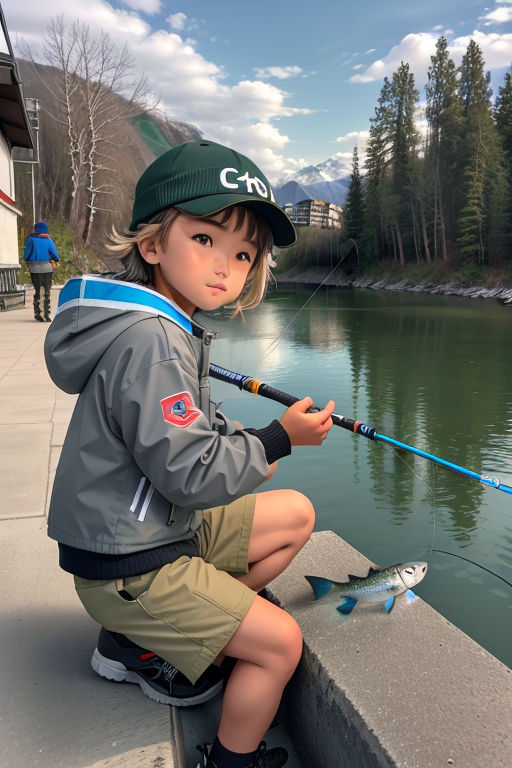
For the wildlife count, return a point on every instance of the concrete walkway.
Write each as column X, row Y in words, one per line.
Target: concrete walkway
column 55, row 712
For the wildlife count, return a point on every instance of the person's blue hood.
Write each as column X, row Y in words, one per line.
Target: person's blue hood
column 93, row 311
column 41, row 228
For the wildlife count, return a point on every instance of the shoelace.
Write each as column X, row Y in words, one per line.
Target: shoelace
column 168, row 671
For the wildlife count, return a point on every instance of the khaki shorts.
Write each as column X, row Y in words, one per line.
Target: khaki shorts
column 186, row 611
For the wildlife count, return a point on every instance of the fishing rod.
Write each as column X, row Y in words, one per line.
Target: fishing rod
column 249, row 384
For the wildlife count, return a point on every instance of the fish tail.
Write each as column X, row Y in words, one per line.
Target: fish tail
column 320, row 585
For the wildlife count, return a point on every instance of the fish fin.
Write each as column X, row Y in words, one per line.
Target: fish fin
column 388, row 605
column 347, row 606
column 320, row 585
column 410, row 596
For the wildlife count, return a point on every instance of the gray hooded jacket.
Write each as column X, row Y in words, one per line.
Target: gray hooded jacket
column 146, row 449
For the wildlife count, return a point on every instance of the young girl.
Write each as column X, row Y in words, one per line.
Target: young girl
column 152, row 503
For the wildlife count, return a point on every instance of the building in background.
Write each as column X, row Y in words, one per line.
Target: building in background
column 315, row 213
column 15, row 131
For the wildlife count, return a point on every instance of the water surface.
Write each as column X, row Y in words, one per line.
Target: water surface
column 434, row 372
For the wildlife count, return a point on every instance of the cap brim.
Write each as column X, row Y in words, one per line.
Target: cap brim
column 283, row 231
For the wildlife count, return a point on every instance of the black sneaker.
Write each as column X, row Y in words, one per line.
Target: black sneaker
column 117, row 658
column 271, row 758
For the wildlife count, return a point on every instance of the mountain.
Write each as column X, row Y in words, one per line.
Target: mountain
column 329, row 191
column 328, row 181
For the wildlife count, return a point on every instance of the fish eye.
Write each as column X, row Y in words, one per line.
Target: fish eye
column 409, row 570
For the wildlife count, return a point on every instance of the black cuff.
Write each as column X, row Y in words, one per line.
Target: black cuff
column 276, row 442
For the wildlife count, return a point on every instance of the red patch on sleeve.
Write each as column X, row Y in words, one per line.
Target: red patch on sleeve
column 179, row 409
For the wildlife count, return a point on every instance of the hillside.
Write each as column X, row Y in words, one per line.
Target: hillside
column 139, row 138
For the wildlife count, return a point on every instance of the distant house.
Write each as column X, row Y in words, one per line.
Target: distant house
column 315, row 213
column 15, row 131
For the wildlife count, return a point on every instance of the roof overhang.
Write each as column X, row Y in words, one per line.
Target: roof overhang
column 14, row 122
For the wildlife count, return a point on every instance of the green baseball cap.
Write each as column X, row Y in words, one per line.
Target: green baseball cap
column 200, row 178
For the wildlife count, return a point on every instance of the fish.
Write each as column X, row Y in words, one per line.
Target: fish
column 380, row 585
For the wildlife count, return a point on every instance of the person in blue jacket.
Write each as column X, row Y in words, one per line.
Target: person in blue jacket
column 41, row 256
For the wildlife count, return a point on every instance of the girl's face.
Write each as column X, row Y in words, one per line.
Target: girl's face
column 204, row 264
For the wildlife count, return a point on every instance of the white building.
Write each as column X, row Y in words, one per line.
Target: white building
column 315, row 213
column 15, row 131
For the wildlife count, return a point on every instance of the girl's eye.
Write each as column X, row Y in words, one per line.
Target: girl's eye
column 203, row 239
column 243, row 256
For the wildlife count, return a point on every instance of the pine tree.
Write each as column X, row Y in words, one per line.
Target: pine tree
column 441, row 168
column 405, row 139
column 503, row 119
column 378, row 153
column 503, row 116
column 354, row 205
column 481, row 221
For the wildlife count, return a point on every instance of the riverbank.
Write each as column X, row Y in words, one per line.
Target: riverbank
column 418, row 280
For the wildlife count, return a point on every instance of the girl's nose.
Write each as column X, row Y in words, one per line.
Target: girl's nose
column 222, row 265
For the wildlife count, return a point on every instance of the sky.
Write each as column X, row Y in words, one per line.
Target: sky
column 287, row 83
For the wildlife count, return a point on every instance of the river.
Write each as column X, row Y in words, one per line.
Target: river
column 434, row 372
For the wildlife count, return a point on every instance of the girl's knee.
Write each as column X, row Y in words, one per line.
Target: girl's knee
column 290, row 641
column 303, row 511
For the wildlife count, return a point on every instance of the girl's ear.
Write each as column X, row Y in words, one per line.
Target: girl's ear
column 149, row 251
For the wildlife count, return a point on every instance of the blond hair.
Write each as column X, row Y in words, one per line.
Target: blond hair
column 136, row 270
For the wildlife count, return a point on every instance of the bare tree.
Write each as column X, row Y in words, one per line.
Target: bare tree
column 93, row 92
column 106, row 73
column 60, row 51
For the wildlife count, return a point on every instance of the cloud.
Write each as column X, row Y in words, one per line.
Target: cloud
column 358, row 66
column 281, row 73
column 498, row 16
column 353, row 139
column 191, row 88
column 146, row 6
column 417, row 48
column 177, row 20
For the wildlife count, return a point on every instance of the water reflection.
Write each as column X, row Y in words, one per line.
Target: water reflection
column 433, row 372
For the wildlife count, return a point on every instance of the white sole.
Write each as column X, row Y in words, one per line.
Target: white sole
column 114, row 670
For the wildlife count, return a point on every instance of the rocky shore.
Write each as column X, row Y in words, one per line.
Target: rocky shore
column 389, row 283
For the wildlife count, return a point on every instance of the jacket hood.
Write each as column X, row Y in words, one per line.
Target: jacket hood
column 41, row 228
column 92, row 313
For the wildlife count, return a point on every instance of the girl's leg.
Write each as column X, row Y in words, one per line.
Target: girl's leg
column 268, row 644
column 283, row 522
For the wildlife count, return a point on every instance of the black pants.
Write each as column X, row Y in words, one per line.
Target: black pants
column 41, row 280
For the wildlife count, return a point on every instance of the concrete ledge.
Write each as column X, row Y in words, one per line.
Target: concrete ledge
column 407, row 690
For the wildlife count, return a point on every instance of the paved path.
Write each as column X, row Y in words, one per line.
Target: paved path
column 54, row 711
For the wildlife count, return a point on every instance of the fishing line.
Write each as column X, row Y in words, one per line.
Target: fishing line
column 333, row 270
column 468, row 560
column 433, row 549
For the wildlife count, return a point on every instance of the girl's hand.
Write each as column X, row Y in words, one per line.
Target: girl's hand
column 307, row 428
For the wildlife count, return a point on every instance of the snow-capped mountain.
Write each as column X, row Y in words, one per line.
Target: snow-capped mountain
column 328, row 181
column 335, row 167
column 328, row 191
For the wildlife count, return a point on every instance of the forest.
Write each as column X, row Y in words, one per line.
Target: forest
column 444, row 197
